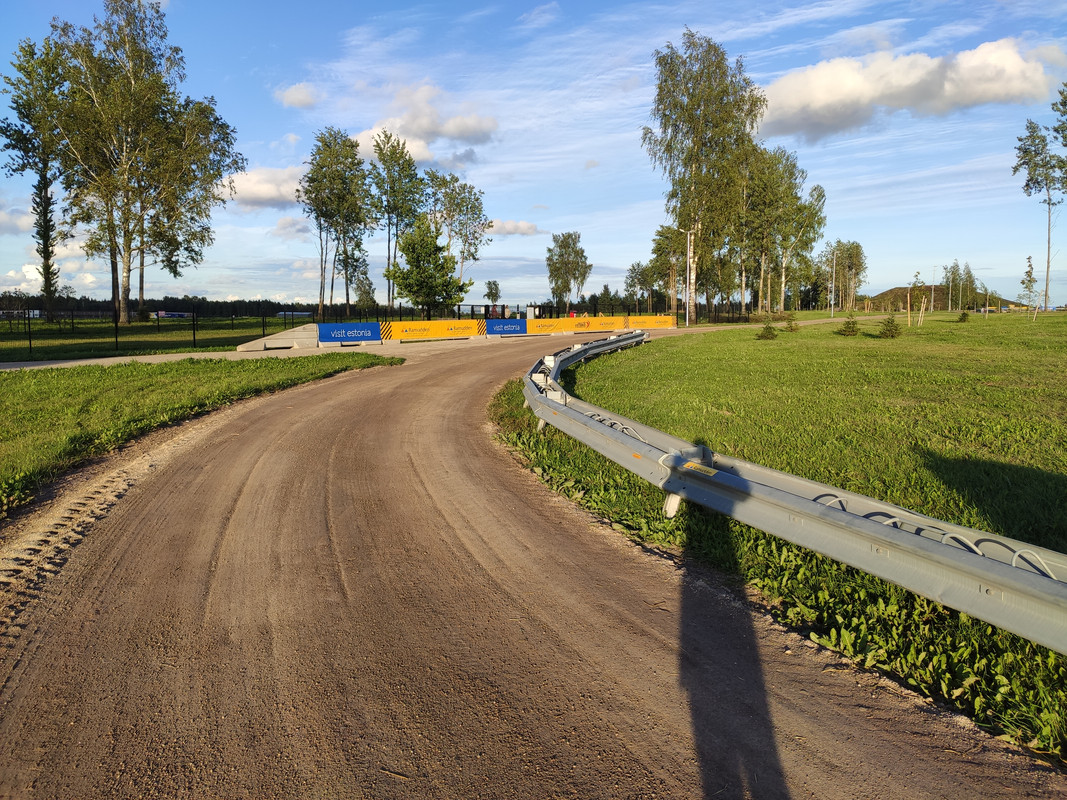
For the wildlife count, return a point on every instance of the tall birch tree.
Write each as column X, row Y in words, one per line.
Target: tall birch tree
column 130, row 183
column 400, row 191
column 706, row 111
column 1045, row 171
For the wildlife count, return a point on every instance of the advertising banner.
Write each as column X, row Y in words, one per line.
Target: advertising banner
column 435, row 329
column 547, row 325
column 505, row 327
column 598, row 323
column 643, row 323
column 575, row 324
column 350, row 332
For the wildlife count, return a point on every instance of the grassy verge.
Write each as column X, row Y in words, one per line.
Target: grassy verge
column 51, row 419
column 966, row 422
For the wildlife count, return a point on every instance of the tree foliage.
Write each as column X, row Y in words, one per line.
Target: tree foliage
column 427, row 278
column 400, row 193
column 1045, row 170
column 336, row 196
column 1028, row 295
column 890, row 328
column 845, row 265
column 568, row 267
column 746, row 207
column 457, row 207
column 33, row 144
column 141, row 165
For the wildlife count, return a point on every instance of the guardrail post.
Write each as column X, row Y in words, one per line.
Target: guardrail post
column 671, row 504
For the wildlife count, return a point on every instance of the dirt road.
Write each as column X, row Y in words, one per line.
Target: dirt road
column 348, row 590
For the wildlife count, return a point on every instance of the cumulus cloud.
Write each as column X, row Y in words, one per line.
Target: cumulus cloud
column 299, row 95
column 86, row 281
column 292, row 228
column 458, row 162
column 416, row 118
column 267, row 187
column 510, row 227
column 845, row 93
column 70, row 249
column 15, row 220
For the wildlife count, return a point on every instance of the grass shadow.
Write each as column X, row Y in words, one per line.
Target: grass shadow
column 1024, row 503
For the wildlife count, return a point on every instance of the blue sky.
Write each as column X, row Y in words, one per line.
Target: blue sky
column 907, row 113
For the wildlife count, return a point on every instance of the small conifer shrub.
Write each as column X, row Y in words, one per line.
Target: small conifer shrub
column 890, row 328
column 768, row 331
column 851, row 327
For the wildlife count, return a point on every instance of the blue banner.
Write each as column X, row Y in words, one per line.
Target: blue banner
column 350, row 332
column 505, row 327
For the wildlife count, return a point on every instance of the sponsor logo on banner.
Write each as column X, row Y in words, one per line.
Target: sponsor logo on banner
column 350, row 332
column 505, row 327
column 636, row 322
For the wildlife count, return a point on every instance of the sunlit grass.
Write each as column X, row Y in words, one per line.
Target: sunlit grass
column 964, row 421
column 51, row 419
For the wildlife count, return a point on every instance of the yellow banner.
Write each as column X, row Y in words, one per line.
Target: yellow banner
column 434, row 329
column 575, row 324
column 598, row 323
column 547, row 325
column 463, row 328
column 641, row 323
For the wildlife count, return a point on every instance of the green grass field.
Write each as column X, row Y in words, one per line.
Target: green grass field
column 964, row 421
column 51, row 419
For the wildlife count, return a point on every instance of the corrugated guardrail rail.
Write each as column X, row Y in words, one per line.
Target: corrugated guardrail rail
column 1011, row 584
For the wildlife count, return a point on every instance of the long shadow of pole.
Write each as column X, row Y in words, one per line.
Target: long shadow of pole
column 721, row 670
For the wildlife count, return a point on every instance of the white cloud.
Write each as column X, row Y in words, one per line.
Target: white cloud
column 509, row 227
column 70, row 249
column 417, row 120
column 15, row 220
column 267, row 187
column 540, row 16
column 299, row 95
column 845, row 93
column 292, row 228
column 86, row 281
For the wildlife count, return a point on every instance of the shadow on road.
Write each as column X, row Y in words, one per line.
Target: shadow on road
column 721, row 671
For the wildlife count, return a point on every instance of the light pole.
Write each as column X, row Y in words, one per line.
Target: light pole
column 688, row 267
column 833, row 281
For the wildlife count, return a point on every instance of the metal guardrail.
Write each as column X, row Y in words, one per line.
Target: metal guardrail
column 1012, row 584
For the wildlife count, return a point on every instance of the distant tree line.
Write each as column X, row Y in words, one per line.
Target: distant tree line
column 99, row 113
column 66, row 302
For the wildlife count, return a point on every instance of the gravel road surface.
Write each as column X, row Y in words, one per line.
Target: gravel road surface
column 348, row 590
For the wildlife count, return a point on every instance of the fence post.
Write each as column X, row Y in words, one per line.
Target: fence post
column 194, row 329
